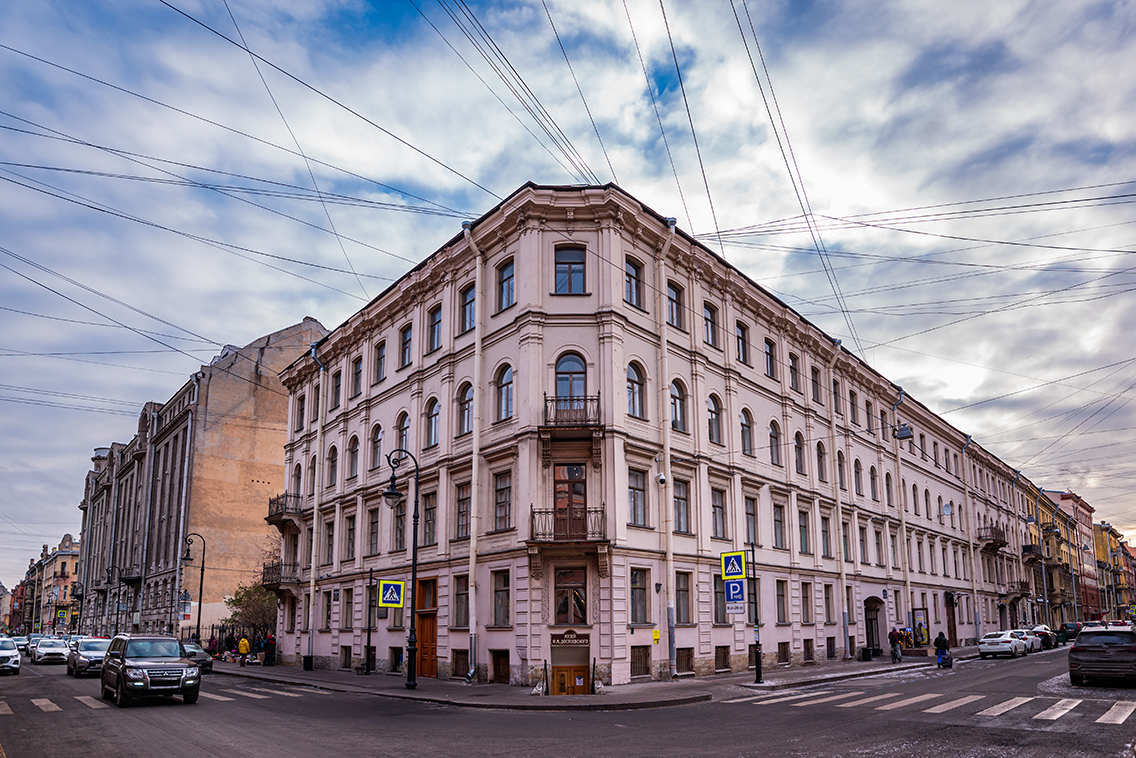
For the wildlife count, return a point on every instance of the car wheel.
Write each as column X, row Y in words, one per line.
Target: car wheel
column 120, row 696
column 982, row 656
column 189, row 698
column 1013, row 652
column 104, row 691
column 1076, row 679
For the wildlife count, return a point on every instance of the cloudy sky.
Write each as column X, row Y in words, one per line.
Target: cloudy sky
column 968, row 169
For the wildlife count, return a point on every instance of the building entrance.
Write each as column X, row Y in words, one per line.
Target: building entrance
column 570, row 675
column 428, row 628
column 872, row 607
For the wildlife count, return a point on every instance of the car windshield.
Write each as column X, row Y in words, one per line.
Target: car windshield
column 45, row 644
column 153, row 649
column 192, row 648
column 93, row 646
column 7, row 645
column 1106, row 638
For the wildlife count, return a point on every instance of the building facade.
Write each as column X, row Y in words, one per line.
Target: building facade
column 186, row 484
column 598, row 408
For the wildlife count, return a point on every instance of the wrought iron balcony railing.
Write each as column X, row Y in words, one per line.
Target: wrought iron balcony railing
column 572, row 411
column 288, row 502
column 574, row 523
column 279, row 572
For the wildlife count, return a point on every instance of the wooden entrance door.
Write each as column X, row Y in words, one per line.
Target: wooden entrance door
column 428, row 644
column 570, row 680
column 952, row 633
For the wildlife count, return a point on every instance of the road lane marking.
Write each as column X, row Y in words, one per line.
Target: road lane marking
column 873, row 699
column 830, row 698
column 5, row 709
column 943, row 708
column 1058, row 709
column 792, row 697
column 247, row 694
column 91, row 702
column 211, row 696
column 748, row 699
column 1009, row 705
column 908, row 701
column 276, row 692
column 312, row 691
column 1117, row 714
column 45, row 705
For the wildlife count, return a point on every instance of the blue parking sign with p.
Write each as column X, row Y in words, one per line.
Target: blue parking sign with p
column 390, row 593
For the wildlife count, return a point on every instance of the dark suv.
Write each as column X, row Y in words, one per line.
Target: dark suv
column 144, row 665
column 1103, row 651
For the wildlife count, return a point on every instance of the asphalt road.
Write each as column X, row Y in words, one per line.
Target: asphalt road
column 1004, row 708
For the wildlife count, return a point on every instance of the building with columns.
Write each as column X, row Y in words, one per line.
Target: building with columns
column 599, row 407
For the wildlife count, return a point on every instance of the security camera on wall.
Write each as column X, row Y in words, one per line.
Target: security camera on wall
column 661, row 478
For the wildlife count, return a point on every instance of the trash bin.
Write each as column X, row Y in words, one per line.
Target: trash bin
column 865, row 654
column 309, row 663
column 1062, row 638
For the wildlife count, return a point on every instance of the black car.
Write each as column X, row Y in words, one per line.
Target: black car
column 143, row 665
column 1103, row 651
column 197, row 654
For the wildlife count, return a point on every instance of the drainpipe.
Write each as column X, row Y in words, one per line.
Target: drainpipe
column 902, row 515
column 664, row 385
column 845, row 610
column 970, row 544
column 315, row 504
column 474, row 516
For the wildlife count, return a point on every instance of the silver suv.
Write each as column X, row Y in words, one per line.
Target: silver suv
column 145, row 665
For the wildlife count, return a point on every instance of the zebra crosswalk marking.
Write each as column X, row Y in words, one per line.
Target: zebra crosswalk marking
column 91, row 702
column 944, row 707
column 211, row 696
column 792, row 697
column 1058, row 709
column 253, row 695
column 829, row 698
column 276, row 692
column 1118, row 713
column 873, row 699
column 45, row 705
column 1004, row 707
column 747, row 699
column 907, row 702
column 5, row 709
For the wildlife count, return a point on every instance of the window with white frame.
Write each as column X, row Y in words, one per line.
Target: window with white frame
column 570, row 271
column 434, row 329
column 505, row 294
column 710, row 324
column 682, row 506
column 675, row 306
column 637, row 497
column 505, row 393
column 633, row 283
column 468, row 313
column 503, row 501
column 718, row 514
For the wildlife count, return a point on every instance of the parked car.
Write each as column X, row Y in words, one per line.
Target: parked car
column 197, row 654
column 1033, row 642
column 1071, row 629
column 1103, row 652
column 21, row 643
column 9, row 656
column 49, row 650
column 85, row 656
column 143, row 665
column 1001, row 643
column 1048, row 636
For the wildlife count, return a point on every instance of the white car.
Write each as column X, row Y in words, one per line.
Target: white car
column 1029, row 636
column 1001, row 643
column 49, row 650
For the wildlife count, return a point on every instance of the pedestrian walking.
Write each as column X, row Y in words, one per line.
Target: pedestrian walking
column 942, row 648
column 270, row 650
column 243, row 649
column 896, row 652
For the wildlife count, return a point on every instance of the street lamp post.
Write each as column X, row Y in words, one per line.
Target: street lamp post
column 187, row 558
column 370, row 619
column 393, row 498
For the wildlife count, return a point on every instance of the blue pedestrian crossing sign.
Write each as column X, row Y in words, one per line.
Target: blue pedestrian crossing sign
column 390, row 593
column 734, row 565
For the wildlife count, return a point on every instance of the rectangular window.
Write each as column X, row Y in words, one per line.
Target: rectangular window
column 327, row 607
column 503, row 501
column 779, row 526
column 682, row 506
column 633, row 283
column 501, row 598
column 894, row 552
column 743, row 343
column 806, row 602
column 461, row 601
column 373, row 531
column 462, row 523
column 844, row 541
column 300, row 410
column 825, row 537
column 349, row 541
column 879, row 548
column 505, row 293
column 816, row 386
column 719, row 601
column 638, row 596
column 316, row 404
column 836, row 398
column 570, row 271
column 571, row 595
column 430, row 518
column 434, row 329
column 829, row 616
column 782, row 602
column 868, row 417
column 682, row 598
column 336, row 388
column 380, row 362
column 863, row 544
column 803, row 526
column 751, row 520
column 329, row 545
column 710, row 317
column 406, row 339
column 853, row 408
column 357, row 376
column 674, row 306
column 794, row 373
column 753, row 601
column 770, row 359
column 718, row 514
column 468, row 309
column 399, row 526
column 849, row 607
column 637, row 497
column 347, row 609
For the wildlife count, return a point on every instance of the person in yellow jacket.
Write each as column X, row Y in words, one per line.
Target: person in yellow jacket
column 243, row 649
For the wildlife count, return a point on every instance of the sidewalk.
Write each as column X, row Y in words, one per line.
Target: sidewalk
column 635, row 696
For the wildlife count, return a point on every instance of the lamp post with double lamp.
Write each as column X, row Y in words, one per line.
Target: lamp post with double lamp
column 393, row 498
column 188, row 558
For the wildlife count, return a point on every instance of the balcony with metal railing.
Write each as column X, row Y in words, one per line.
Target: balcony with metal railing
column 285, row 508
column 1020, row 588
column 1031, row 553
column 993, row 538
column 573, row 523
column 578, row 411
column 277, row 573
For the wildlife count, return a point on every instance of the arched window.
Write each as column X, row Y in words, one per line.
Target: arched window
column 403, row 435
column 915, row 498
column 635, row 390
column 822, row 465
column 714, row 420
column 857, row 476
column 927, row 502
column 799, row 453
column 678, row 407
column 774, row 443
column 840, row 470
column 941, row 512
column 431, row 423
column 747, row 433
column 505, row 393
column 571, row 385
column 376, row 446
column 297, row 479
column 465, row 409
column 873, row 485
column 332, row 467
column 312, row 476
column 353, row 457
column 887, row 488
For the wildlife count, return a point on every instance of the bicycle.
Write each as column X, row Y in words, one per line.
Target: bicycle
column 896, row 654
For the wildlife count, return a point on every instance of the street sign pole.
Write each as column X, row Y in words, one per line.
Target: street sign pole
column 756, row 620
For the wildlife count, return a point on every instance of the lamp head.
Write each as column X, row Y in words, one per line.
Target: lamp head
column 902, row 432
column 392, row 495
column 187, row 558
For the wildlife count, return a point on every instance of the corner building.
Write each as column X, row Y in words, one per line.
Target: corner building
column 600, row 406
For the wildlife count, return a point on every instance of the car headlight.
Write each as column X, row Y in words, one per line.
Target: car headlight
column 134, row 674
